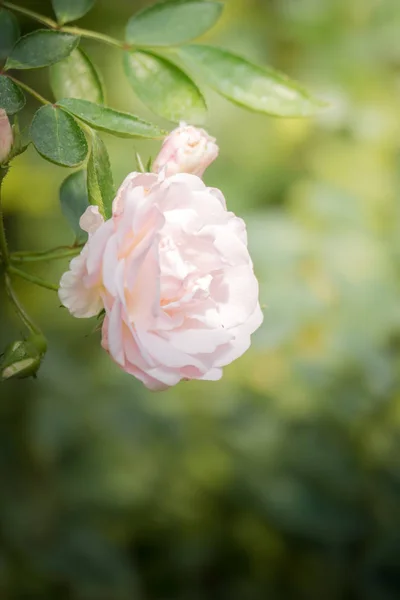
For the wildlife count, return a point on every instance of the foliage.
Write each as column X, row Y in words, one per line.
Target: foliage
column 60, row 131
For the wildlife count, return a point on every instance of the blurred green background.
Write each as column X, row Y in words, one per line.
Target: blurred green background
column 282, row 481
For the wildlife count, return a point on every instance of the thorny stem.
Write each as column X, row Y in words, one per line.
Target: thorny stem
column 6, row 259
column 46, row 255
column 31, row 14
column 32, row 278
column 93, row 35
column 29, row 90
column 3, row 239
column 25, row 318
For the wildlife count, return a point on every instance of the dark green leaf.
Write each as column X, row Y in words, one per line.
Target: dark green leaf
column 172, row 22
column 99, row 177
column 41, row 48
column 9, row 32
column 70, row 10
column 11, row 97
column 165, row 88
column 76, row 77
column 258, row 88
column 74, row 202
column 58, row 137
column 107, row 119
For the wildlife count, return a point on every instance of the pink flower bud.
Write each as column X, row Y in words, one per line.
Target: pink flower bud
column 6, row 136
column 187, row 149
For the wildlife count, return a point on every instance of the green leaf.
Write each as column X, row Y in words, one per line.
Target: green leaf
column 70, row 10
column 259, row 88
column 57, row 137
column 20, row 142
column 112, row 121
column 99, row 177
column 165, row 88
column 172, row 22
column 11, row 97
column 41, row 48
column 76, row 77
column 74, row 201
column 9, row 32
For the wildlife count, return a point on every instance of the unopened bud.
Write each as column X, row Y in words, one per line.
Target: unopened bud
column 22, row 359
column 187, row 149
column 6, row 137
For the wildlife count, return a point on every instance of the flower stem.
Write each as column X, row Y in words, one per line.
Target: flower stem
column 29, row 90
column 30, row 13
column 25, row 318
column 33, row 279
column 3, row 240
column 46, row 255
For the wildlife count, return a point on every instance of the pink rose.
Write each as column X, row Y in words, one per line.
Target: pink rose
column 187, row 149
column 6, row 136
column 172, row 270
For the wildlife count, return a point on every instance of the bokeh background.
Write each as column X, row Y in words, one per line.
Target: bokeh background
column 282, row 481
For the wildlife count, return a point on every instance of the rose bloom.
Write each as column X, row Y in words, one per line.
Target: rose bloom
column 187, row 149
column 172, row 271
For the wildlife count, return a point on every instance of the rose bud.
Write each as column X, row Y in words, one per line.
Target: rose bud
column 173, row 273
column 6, row 137
column 22, row 359
column 187, row 149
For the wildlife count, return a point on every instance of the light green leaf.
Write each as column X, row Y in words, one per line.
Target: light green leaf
column 74, row 202
column 259, row 88
column 41, row 48
column 76, row 77
column 11, row 97
column 99, row 177
column 9, row 32
column 112, row 121
column 71, row 10
column 172, row 22
column 57, row 137
column 165, row 88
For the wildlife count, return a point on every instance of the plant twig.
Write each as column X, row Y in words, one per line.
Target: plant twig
column 86, row 33
column 25, row 318
column 33, row 278
column 30, row 13
column 28, row 89
column 3, row 240
column 46, row 255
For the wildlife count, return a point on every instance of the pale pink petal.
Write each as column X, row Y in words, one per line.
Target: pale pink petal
column 212, row 375
column 81, row 301
column 173, row 272
column 91, row 219
column 114, row 338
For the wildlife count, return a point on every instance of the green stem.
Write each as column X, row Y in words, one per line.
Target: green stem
column 33, row 279
column 3, row 240
column 25, row 318
column 56, row 254
column 86, row 33
column 31, row 14
column 29, row 90
column 100, row 37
